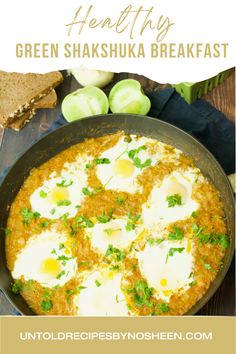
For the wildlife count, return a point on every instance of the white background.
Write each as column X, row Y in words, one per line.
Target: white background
column 204, row 21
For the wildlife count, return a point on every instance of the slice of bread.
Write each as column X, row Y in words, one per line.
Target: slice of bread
column 48, row 101
column 18, row 92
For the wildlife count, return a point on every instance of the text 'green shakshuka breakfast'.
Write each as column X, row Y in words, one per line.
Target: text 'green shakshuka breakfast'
column 115, row 226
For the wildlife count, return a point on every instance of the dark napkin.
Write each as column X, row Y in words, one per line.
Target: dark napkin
column 200, row 119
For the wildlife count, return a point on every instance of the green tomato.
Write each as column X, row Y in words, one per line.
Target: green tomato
column 127, row 97
column 84, row 102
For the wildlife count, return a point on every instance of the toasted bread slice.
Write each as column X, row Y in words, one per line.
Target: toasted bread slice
column 18, row 92
column 48, row 101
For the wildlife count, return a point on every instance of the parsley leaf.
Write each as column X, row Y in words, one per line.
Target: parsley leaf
column 60, row 274
column 17, row 287
column 163, row 307
column 46, row 305
column 97, row 283
column 132, row 220
column 64, row 184
column 155, row 241
column 103, row 219
column 118, row 254
column 28, row 215
column 142, row 294
column 63, row 202
column 174, row 200
column 176, row 234
column 213, row 239
column 80, row 222
column 133, row 155
column 86, row 191
column 102, row 161
column 172, row 251
column 120, row 200
column 42, row 194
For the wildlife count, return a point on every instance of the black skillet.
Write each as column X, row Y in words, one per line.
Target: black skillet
column 76, row 132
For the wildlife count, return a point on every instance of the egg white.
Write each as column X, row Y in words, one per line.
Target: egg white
column 38, row 260
column 47, row 198
column 121, row 173
column 167, row 274
column 111, row 233
column 101, row 295
column 156, row 210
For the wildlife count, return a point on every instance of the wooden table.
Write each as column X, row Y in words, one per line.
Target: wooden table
column 222, row 97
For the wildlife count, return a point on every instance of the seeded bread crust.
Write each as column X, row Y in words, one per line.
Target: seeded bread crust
column 19, row 92
column 48, row 101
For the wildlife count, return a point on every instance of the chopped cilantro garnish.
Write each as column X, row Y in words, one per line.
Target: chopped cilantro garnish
column 133, row 155
column 42, row 194
column 61, row 274
column 120, row 200
column 86, row 191
column 44, row 224
column 80, row 222
column 127, row 139
column 163, row 307
column 46, row 305
column 172, row 251
column 194, row 214
column 61, row 246
column 97, row 283
column 17, row 287
column 132, row 220
column 64, row 184
column 63, row 259
column 63, row 203
column 192, row 283
column 118, row 254
column 28, row 215
column 176, row 234
column 102, row 161
column 213, row 239
column 142, row 294
column 104, row 218
column 207, row 266
column 53, row 211
column 155, row 241
column 88, row 165
column 174, row 200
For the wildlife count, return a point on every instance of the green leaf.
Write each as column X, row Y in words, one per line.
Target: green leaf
column 60, row 274
column 44, row 224
column 172, row 251
column 155, row 241
column 195, row 214
column 213, row 239
column 103, row 219
column 17, row 287
column 86, row 191
column 63, row 202
column 53, row 211
column 133, row 155
column 80, row 222
column 115, row 252
column 46, row 305
column 28, row 215
column 102, row 161
column 88, row 166
column 142, row 294
column 97, row 283
column 163, row 307
column 174, row 200
column 192, row 283
column 132, row 220
column 120, row 200
column 64, row 184
column 176, row 234
column 207, row 266
column 43, row 194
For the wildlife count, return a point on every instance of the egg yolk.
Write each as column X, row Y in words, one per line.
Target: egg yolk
column 123, row 168
column 57, row 194
column 174, row 187
column 51, row 266
column 163, row 282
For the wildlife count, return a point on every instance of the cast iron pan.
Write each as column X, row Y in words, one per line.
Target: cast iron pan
column 76, row 132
